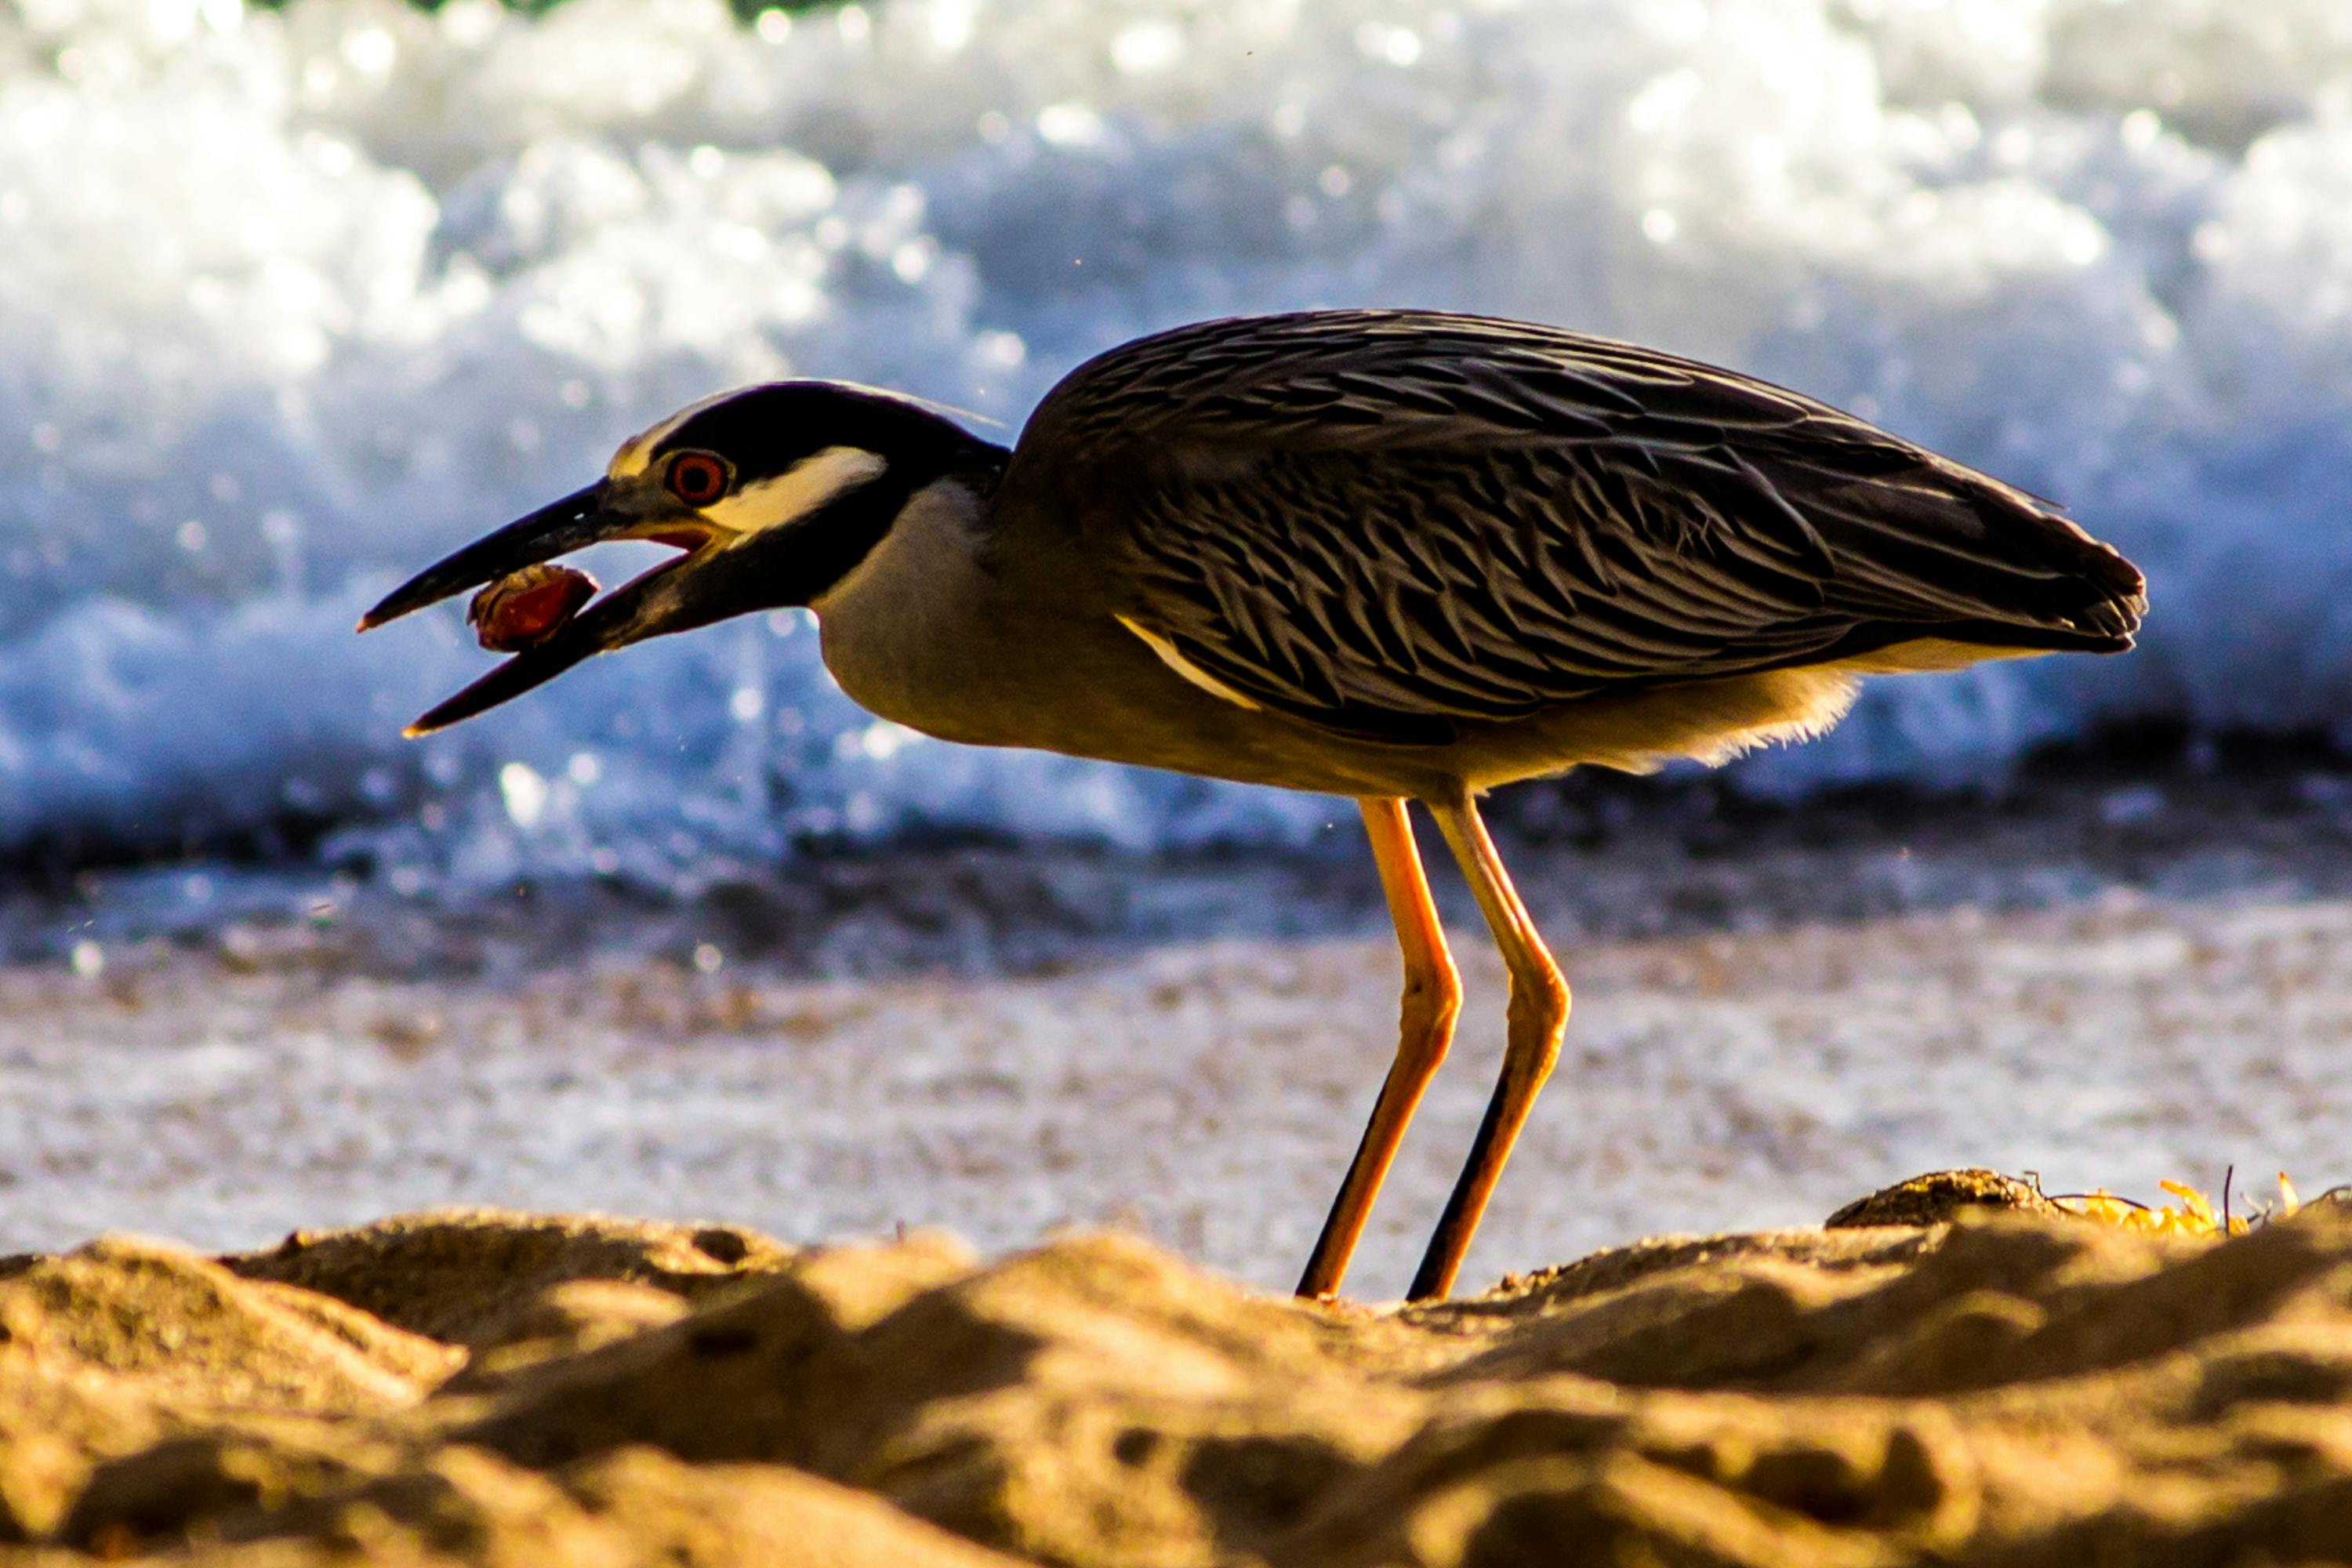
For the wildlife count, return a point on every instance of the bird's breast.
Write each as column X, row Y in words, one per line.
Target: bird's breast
column 998, row 653
column 906, row 632
column 1018, row 652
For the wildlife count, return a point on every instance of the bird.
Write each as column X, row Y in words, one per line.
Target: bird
column 1398, row 555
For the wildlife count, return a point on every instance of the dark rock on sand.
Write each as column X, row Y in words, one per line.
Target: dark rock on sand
column 1938, row 1196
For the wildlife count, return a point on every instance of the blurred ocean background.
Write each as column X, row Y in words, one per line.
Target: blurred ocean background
column 294, row 301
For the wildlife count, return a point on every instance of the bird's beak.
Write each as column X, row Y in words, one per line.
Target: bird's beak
column 669, row 598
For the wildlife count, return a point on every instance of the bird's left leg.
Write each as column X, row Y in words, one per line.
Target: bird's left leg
column 1538, row 1016
column 1433, row 994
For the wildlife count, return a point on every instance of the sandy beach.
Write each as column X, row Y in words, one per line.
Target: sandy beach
column 692, row 1114
column 1981, row 1385
column 963, row 1191
column 2106, row 988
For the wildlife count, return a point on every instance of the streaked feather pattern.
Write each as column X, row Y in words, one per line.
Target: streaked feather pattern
column 1384, row 522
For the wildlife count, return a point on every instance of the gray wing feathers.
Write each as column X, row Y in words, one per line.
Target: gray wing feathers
column 1387, row 521
column 1363, row 589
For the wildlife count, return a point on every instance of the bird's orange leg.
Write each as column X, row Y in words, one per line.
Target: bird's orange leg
column 1538, row 1013
column 1433, row 994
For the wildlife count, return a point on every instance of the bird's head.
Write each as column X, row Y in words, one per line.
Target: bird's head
column 773, row 494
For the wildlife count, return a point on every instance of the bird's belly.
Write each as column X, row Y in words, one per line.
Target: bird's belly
column 1017, row 655
column 1083, row 686
column 1708, row 720
column 1106, row 704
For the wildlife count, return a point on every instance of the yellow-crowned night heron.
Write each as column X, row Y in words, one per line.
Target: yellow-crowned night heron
column 1390, row 554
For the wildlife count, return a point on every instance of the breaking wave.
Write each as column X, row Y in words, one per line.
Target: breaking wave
column 293, row 302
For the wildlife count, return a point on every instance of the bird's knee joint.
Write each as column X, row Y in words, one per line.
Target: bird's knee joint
column 1432, row 1001
column 1538, row 1004
column 1424, row 1035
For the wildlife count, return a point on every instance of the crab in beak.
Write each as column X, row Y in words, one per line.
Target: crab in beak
column 676, row 596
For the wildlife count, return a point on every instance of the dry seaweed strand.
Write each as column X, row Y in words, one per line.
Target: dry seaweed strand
column 2191, row 1215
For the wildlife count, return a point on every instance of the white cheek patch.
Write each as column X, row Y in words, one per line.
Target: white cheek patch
column 799, row 491
column 1186, row 667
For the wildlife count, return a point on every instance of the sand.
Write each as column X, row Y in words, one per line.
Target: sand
column 1129, row 1088
column 1993, row 1386
column 997, row 1043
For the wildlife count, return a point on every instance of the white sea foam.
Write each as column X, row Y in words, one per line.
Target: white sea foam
column 292, row 303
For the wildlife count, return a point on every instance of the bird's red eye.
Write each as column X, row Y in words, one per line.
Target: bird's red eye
column 698, row 479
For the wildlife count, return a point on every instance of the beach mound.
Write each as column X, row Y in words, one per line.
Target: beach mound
column 1985, row 1385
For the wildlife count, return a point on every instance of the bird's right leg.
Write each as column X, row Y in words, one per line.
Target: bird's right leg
column 1538, row 1015
column 1433, row 994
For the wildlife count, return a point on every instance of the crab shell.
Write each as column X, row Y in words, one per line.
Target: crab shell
column 527, row 607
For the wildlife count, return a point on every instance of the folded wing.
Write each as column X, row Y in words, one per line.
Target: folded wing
column 1386, row 522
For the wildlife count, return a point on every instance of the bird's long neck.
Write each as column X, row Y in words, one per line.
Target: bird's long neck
column 835, row 544
column 915, row 631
